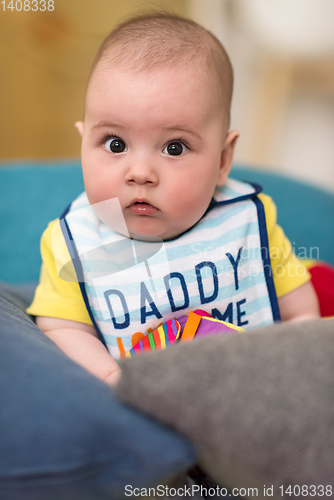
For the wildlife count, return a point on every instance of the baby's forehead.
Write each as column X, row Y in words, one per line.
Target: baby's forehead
column 184, row 84
column 184, row 71
column 159, row 99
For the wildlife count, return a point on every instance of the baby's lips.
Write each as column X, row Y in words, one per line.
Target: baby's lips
column 142, row 208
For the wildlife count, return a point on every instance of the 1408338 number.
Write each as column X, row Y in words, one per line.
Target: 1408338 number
column 28, row 5
column 305, row 490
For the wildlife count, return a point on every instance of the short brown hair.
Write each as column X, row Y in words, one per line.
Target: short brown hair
column 162, row 40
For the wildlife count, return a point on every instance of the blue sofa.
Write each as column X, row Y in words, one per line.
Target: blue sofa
column 63, row 433
column 33, row 193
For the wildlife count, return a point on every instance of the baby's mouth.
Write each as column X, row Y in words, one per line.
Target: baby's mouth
column 142, row 207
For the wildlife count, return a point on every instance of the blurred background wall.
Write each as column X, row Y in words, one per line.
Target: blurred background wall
column 45, row 58
column 282, row 52
column 283, row 57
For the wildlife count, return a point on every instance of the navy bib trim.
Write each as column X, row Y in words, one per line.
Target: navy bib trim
column 257, row 189
column 268, row 273
column 78, row 268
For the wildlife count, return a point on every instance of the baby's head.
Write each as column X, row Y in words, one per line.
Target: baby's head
column 155, row 133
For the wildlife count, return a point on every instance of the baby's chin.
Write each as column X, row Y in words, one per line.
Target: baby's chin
column 145, row 230
column 153, row 236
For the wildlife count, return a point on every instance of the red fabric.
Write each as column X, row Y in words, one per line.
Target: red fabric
column 323, row 282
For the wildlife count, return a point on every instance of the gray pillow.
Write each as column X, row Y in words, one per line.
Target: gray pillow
column 258, row 405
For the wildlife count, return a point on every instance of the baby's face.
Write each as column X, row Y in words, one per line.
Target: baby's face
column 154, row 140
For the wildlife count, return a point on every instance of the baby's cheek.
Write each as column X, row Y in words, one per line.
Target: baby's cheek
column 99, row 188
column 186, row 209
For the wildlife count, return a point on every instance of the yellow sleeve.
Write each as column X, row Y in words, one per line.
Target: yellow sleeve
column 289, row 272
column 55, row 297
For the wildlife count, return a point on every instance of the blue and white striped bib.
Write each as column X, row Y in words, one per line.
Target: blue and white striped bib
column 221, row 265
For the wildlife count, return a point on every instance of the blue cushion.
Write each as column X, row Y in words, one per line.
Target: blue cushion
column 306, row 213
column 63, row 435
column 31, row 195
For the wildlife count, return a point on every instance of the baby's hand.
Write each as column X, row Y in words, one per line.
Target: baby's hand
column 114, row 377
column 80, row 342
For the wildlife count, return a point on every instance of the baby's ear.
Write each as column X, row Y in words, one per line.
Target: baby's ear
column 226, row 159
column 80, row 127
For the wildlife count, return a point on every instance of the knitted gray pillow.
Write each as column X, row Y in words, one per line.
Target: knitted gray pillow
column 259, row 405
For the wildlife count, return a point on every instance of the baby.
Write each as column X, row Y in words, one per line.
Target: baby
column 156, row 139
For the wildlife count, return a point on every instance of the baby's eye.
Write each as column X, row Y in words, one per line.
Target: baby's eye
column 175, row 148
column 115, row 145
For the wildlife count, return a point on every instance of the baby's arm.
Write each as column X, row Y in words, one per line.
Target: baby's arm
column 81, row 343
column 299, row 305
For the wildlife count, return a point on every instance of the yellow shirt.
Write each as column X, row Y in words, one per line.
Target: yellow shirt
column 62, row 299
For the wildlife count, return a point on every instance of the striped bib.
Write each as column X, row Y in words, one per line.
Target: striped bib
column 221, row 265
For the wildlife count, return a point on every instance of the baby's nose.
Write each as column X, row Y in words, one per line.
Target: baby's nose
column 142, row 172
